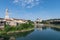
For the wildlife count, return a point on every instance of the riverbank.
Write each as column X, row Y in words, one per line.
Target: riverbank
column 52, row 25
column 24, row 30
column 17, row 31
column 16, row 35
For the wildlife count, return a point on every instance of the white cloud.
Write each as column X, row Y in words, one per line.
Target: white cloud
column 15, row 1
column 27, row 3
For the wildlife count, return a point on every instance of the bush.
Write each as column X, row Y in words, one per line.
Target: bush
column 25, row 26
column 19, row 27
column 9, row 28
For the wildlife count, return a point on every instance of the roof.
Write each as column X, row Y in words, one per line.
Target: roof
column 20, row 19
column 1, row 18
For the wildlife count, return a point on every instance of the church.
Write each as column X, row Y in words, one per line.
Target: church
column 10, row 21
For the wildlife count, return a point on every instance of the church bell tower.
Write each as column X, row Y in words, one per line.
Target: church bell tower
column 6, row 14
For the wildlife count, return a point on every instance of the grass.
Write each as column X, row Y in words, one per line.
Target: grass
column 25, row 26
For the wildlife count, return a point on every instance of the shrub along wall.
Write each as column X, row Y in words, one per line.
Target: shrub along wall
column 18, row 27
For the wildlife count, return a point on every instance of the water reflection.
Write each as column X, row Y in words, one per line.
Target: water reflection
column 12, row 38
column 55, row 27
column 15, row 35
column 47, row 34
column 41, row 28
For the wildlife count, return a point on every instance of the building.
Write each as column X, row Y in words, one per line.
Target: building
column 10, row 21
column 38, row 20
column 2, row 22
column 6, row 15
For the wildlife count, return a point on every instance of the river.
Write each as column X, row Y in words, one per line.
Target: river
column 40, row 33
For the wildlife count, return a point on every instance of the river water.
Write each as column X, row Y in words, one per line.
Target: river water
column 41, row 33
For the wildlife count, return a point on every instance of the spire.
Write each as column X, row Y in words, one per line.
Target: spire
column 6, row 15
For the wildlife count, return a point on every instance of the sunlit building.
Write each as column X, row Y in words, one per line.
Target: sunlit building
column 10, row 21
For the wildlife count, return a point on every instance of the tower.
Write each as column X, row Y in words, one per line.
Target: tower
column 6, row 15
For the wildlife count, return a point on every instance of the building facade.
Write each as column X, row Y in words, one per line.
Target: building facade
column 10, row 21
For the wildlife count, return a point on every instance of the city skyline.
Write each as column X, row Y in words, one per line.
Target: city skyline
column 33, row 9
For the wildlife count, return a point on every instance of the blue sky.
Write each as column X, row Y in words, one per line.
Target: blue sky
column 30, row 9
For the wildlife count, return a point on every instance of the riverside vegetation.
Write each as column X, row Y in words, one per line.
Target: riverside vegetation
column 22, row 27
